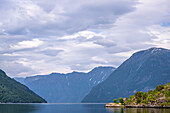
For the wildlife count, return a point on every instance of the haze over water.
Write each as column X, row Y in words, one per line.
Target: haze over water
column 73, row 108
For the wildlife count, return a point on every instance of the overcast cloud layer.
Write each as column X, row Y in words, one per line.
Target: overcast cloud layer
column 44, row 36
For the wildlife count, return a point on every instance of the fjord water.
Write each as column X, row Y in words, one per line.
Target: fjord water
column 73, row 108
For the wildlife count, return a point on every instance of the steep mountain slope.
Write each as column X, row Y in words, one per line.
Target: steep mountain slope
column 14, row 92
column 144, row 70
column 64, row 88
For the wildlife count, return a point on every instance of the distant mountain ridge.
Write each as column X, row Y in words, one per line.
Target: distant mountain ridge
column 12, row 91
column 144, row 70
column 66, row 88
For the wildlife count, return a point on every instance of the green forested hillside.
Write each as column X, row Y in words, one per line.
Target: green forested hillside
column 160, row 96
column 12, row 91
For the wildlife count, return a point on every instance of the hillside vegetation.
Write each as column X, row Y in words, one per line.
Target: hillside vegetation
column 12, row 91
column 158, row 97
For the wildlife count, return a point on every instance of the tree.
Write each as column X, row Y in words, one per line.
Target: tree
column 144, row 96
column 139, row 96
column 115, row 101
column 160, row 87
column 121, row 100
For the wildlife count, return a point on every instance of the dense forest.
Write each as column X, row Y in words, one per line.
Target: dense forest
column 12, row 91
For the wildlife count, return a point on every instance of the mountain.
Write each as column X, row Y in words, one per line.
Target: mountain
column 66, row 88
column 143, row 71
column 12, row 91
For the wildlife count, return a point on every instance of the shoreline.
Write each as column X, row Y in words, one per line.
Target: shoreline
column 146, row 106
column 116, row 105
column 113, row 105
column 136, row 106
column 53, row 103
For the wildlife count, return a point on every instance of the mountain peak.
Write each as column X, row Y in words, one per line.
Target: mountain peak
column 141, row 72
column 76, row 72
column 103, row 67
column 55, row 88
column 155, row 49
column 151, row 51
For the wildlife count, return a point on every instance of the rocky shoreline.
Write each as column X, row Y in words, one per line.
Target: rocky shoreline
column 114, row 105
column 146, row 106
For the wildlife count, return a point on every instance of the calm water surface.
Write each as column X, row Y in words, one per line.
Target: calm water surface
column 72, row 108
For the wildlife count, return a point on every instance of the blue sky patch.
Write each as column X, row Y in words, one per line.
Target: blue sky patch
column 166, row 24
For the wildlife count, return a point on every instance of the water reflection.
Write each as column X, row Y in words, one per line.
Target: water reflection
column 17, row 108
column 72, row 108
column 115, row 110
column 138, row 110
column 147, row 110
column 93, row 108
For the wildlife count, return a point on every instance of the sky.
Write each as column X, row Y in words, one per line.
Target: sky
column 44, row 36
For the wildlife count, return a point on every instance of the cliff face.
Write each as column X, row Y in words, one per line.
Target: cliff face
column 12, row 91
column 143, row 71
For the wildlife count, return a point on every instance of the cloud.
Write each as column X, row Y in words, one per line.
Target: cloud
column 161, row 36
column 51, row 52
column 27, row 44
column 40, row 37
column 133, row 29
column 59, row 18
column 82, row 34
column 107, row 43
